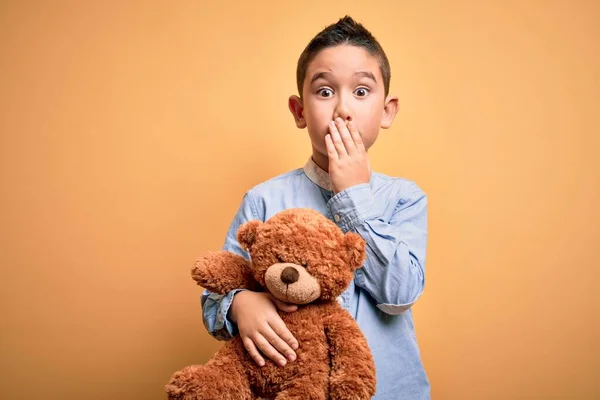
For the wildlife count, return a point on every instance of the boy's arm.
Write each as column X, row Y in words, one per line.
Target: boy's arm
column 215, row 307
column 394, row 271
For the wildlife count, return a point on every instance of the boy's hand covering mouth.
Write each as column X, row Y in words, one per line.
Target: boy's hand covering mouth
column 348, row 161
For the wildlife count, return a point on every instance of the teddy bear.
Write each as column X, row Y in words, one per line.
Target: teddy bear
column 300, row 257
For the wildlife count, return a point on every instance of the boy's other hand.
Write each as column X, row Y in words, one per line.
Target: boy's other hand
column 348, row 160
column 261, row 327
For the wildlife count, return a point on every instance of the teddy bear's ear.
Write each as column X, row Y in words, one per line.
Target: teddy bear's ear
column 355, row 246
column 246, row 233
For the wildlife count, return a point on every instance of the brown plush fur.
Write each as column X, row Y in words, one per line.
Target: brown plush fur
column 333, row 360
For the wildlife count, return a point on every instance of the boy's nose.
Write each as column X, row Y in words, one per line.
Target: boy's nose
column 342, row 111
column 345, row 118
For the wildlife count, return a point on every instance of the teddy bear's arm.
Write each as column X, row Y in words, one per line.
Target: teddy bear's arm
column 353, row 368
column 223, row 271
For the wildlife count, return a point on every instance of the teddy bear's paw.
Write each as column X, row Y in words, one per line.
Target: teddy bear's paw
column 203, row 382
column 184, row 384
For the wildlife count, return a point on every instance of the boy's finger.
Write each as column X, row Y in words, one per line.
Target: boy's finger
column 346, row 136
column 283, row 306
column 280, row 344
column 268, row 350
column 284, row 333
column 356, row 138
column 337, row 140
column 252, row 351
column 331, row 152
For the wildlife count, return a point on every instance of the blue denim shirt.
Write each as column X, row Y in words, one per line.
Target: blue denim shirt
column 391, row 215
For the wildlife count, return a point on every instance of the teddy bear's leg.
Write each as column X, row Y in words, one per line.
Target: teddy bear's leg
column 222, row 378
column 309, row 387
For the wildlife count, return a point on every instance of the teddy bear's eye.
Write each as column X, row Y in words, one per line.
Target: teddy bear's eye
column 280, row 259
column 304, row 264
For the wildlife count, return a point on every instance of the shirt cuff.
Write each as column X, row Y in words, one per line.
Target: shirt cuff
column 353, row 206
column 395, row 309
column 223, row 319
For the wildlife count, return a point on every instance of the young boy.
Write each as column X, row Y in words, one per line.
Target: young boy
column 343, row 79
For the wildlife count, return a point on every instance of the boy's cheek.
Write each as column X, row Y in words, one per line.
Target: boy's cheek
column 318, row 141
column 318, row 130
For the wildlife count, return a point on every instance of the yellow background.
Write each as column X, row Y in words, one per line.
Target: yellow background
column 129, row 133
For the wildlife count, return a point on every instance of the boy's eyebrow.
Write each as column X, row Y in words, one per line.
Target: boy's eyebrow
column 324, row 74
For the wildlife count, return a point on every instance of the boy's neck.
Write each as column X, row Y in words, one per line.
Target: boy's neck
column 321, row 160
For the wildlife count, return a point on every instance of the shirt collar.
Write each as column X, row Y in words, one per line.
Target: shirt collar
column 318, row 176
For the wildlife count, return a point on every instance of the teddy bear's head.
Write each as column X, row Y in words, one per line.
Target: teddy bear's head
column 300, row 256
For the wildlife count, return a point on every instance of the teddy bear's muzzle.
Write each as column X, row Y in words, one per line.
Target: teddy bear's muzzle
column 292, row 283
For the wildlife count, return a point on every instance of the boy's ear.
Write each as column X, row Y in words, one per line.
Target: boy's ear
column 246, row 234
column 390, row 109
column 297, row 109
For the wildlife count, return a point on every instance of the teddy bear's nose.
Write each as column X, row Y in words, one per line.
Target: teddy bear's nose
column 289, row 275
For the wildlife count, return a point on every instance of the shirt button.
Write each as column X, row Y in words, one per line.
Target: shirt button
column 336, row 217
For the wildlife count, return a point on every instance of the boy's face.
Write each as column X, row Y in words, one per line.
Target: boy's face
column 343, row 81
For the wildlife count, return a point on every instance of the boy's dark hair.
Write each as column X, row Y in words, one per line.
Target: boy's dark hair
column 345, row 31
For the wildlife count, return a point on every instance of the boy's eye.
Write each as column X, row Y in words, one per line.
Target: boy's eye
column 322, row 92
column 361, row 92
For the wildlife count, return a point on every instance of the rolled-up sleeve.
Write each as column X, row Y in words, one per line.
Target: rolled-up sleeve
column 215, row 307
column 214, row 314
column 394, row 271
